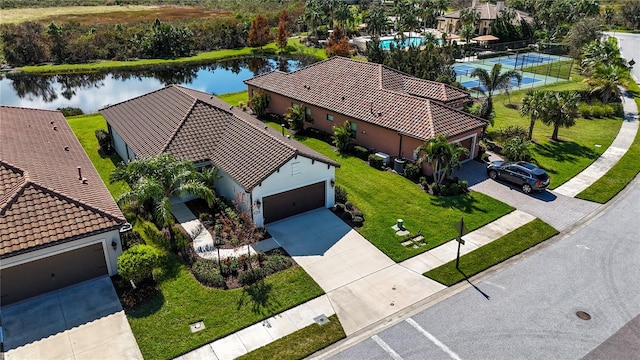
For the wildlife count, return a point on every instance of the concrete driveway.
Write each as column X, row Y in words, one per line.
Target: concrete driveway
column 85, row 321
column 555, row 209
column 362, row 283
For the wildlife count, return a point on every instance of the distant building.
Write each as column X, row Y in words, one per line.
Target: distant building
column 450, row 23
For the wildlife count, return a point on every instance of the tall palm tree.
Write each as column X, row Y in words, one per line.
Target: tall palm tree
column 312, row 16
column 154, row 180
column 493, row 81
column 561, row 110
column 605, row 81
column 343, row 15
column 469, row 16
column 377, row 21
column 533, row 104
column 442, row 156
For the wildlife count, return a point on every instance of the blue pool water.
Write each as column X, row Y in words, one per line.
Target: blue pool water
column 415, row 41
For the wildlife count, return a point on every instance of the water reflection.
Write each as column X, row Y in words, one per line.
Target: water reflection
column 91, row 92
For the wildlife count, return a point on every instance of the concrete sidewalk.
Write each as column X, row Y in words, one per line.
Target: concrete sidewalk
column 447, row 252
column 610, row 157
column 264, row 332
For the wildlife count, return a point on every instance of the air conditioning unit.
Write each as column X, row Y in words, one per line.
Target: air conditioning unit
column 386, row 158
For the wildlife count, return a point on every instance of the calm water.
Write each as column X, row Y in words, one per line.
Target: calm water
column 91, row 92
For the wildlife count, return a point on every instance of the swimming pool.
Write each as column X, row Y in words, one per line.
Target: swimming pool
column 415, row 41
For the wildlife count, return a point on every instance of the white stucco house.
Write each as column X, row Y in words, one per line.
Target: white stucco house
column 268, row 174
column 59, row 224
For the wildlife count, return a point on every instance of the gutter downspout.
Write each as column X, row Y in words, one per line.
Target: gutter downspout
column 400, row 145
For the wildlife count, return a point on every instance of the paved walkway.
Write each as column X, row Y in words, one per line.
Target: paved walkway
column 610, row 157
column 355, row 299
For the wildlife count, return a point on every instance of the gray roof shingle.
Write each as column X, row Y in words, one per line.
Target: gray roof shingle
column 376, row 94
column 197, row 126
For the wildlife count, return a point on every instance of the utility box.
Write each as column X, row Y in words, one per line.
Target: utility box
column 398, row 165
column 386, row 158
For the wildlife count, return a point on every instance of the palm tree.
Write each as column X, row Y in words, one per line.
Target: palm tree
column 561, row 110
column 605, row 81
column 533, row 104
column 469, row 16
column 600, row 52
column 154, row 180
column 377, row 21
column 342, row 136
column 442, row 156
column 343, row 15
column 312, row 16
column 296, row 116
column 492, row 81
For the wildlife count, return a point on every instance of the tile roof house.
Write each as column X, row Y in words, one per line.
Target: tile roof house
column 58, row 223
column 269, row 174
column 389, row 111
column 450, row 23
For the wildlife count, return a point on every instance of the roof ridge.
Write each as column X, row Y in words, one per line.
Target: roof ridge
column 75, row 201
column 181, row 123
column 29, row 108
column 11, row 199
column 135, row 98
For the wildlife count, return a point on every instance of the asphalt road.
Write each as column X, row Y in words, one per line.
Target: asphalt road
column 630, row 49
column 526, row 309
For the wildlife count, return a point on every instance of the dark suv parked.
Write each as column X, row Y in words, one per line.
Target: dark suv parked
column 524, row 174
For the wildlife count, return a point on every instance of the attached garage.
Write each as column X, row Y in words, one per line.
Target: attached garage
column 294, row 202
column 51, row 273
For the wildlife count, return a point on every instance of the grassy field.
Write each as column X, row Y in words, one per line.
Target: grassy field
column 106, row 14
column 84, row 126
column 580, row 145
column 301, row 343
column 236, row 98
column 622, row 173
column 493, row 253
column 294, row 48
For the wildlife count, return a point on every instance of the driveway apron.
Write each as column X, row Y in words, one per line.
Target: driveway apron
column 85, row 321
column 362, row 283
column 557, row 210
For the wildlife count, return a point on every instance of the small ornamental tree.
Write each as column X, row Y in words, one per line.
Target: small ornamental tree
column 259, row 103
column 137, row 263
column 296, row 116
column 337, row 45
column 259, row 33
column 342, row 136
column 283, row 30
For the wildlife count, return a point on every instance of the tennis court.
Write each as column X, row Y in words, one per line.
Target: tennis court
column 526, row 81
column 524, row 60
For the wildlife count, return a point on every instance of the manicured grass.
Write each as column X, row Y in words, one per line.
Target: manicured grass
column 235, row 98
column 560, row 69
column 301, row 343
column 295, row 47
column 577, row 150
column 384, row 197
column 84, row 126
column 621, row 173
column 493, row 253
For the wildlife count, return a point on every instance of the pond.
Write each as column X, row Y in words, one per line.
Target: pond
column 90, row 92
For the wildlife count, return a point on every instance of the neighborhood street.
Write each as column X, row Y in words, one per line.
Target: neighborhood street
column 630, row 49
column 526, row 308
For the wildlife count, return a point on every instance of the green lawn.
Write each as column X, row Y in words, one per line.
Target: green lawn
column 294, row 47
column 84, row 126
column 236, row 97
column 384, row 197
column 301, row 343
column 622, row 173
column 577, row 150
column 493, row 253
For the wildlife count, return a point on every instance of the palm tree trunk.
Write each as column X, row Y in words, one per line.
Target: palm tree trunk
column 531, row 124
column 554, row 136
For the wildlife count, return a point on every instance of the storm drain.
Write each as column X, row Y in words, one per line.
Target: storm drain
column 583, row 315
column 321, row 319
column 197, row 326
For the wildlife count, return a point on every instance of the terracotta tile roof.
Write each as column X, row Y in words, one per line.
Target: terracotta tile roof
column 490, row 11
column 376, row 94
column 42, row 200
column 206, row 130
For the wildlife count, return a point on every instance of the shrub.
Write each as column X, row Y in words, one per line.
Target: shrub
column 277, row 263
column 411, row 171
column 358, row 220
column 70, row 111
column 137, row 263
column 424, row 183
column 130, row 239
column 259, row 103
column 104, row 141
column 346, row 216
column 207, row 273
column 357, row 213
column 340, row 194
column 361, row 152
column 517, row 149
column 229, row 266
column 180, row 237
column 339, row 208
column 251, row 276
column 597, row 109
column 348, row 205
column 376, row 161
column 510, row 132
column 204, row 217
